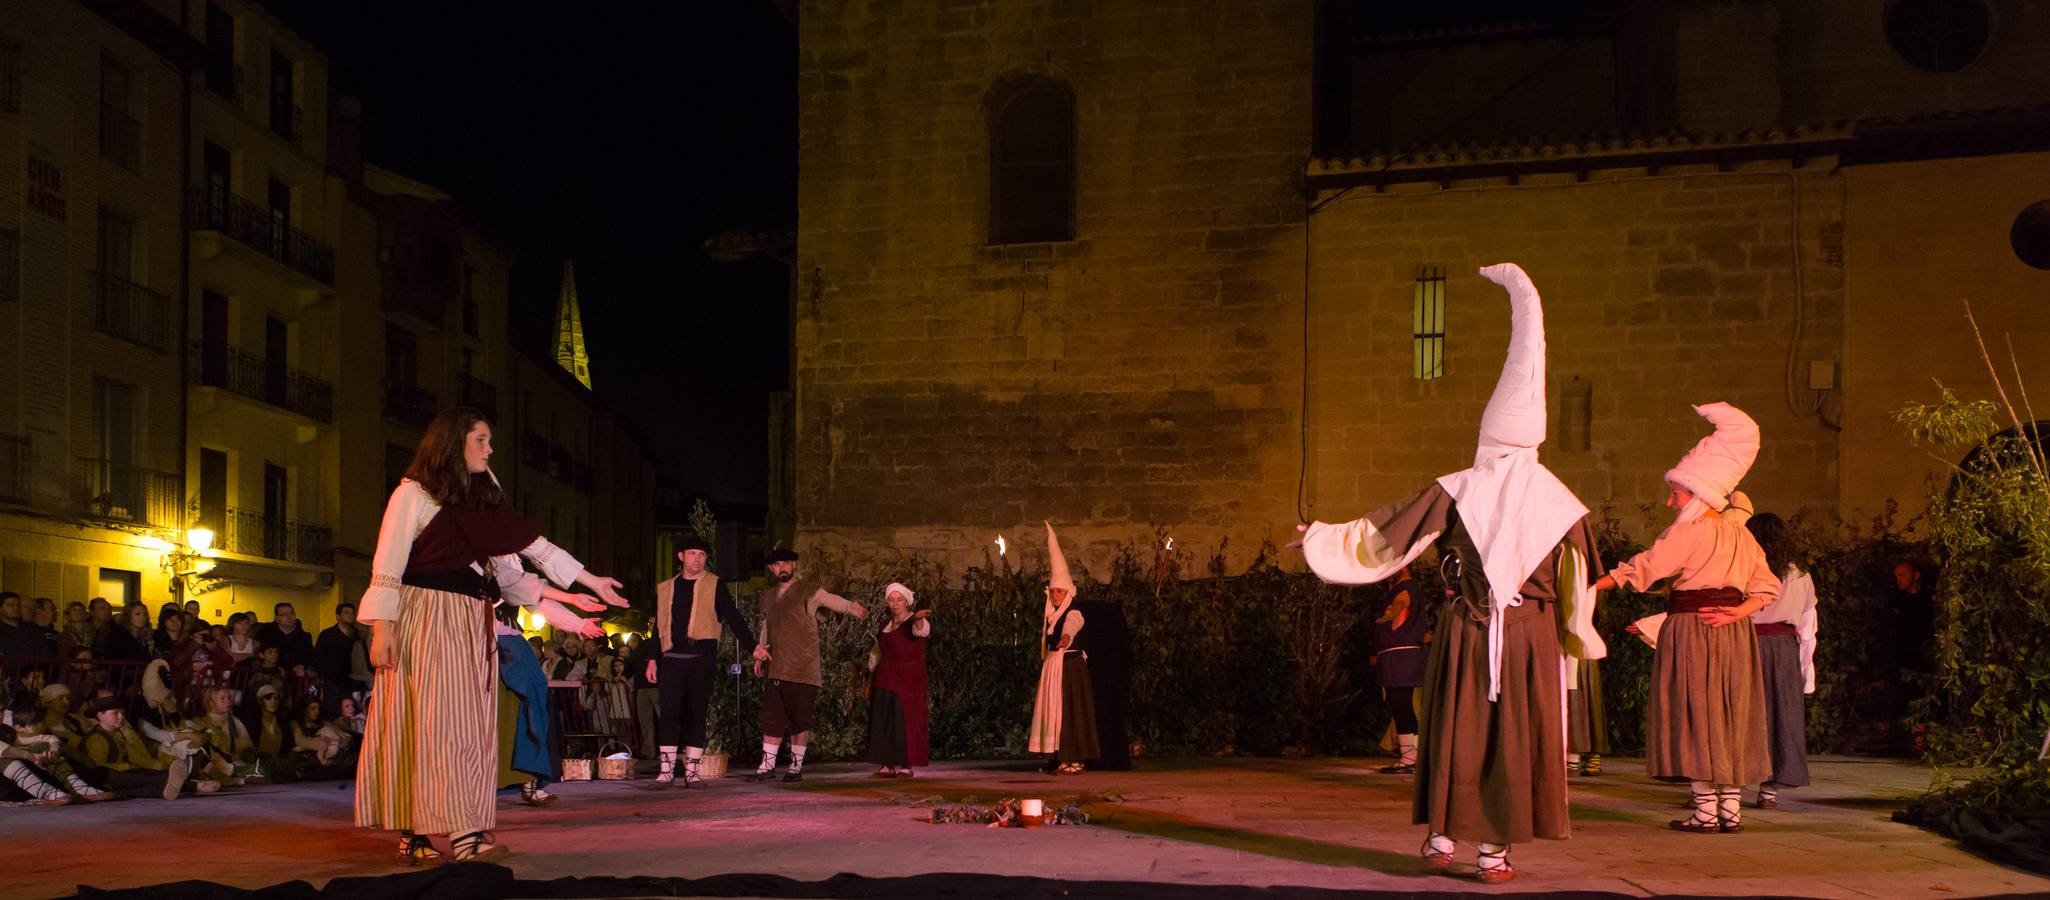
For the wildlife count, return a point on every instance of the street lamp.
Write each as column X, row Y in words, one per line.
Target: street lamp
column 190, row 557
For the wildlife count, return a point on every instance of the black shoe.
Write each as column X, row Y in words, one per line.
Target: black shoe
column 1399, row 770
column 758, row 777
column 792, row 775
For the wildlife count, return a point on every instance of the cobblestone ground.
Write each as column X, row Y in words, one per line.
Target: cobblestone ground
column 1316, row 822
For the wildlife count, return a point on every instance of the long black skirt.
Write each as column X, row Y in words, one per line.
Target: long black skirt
column 1786, row 711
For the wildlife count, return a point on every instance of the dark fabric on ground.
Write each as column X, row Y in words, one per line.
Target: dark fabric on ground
column 2022, row 841
column 483, row 880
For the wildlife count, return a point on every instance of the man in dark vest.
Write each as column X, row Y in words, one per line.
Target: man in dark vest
column 689, row 610
column 790, row 618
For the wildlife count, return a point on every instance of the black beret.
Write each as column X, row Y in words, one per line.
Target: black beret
column 782, row 554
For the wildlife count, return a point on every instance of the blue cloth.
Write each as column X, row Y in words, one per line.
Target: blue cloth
column 521, row 672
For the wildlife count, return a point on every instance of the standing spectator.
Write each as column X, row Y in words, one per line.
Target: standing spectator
column 173, row 632
column 199, row 623
column 78, row 634
column 241, row 643
column 295, row 646
column 647, row 697
column 131, row 640
column 263, row 667
column 335, row 655
column 17, row 639
column 573, row 666
column 42, row 619
column 100, row 615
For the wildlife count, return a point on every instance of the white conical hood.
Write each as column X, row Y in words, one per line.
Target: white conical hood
column 1515, row 417
column 1057, row 563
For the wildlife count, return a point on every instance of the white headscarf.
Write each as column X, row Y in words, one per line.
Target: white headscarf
column 910, row 599
column 1718, row 462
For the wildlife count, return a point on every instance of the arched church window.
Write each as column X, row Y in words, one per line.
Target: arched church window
column 1031, row 161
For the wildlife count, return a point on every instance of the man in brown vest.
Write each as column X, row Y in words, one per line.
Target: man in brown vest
column 790, row 611
column 688, row 612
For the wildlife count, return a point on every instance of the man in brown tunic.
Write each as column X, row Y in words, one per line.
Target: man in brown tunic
column 790, row 697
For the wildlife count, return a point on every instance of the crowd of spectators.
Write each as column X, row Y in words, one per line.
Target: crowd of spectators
column 125, row 703
column 99, row 703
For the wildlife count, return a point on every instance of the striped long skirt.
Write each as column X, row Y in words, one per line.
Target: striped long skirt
column 430, row 743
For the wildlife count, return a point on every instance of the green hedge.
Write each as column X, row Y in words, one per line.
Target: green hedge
column 1264, row 661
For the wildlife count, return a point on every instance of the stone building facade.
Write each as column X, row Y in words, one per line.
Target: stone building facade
column 1769, row 202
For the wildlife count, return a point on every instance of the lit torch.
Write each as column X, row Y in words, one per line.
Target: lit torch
column 1001, row 546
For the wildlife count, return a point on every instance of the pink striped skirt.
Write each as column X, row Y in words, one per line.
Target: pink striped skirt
column 430, row 743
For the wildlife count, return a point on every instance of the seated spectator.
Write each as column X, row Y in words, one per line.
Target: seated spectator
column 349, row 719
column 269, row 728
column 33, row 760
column 326, row 752
column 55, row 717
column 264, row 666
column 230, row 748
column 84, row 677
column 295, row 646
column 241, row 640
column 116, row 757
column 200, row 664
column 131, row 640
column 161, row 717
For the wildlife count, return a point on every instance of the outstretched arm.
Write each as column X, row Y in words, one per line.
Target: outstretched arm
column 838, row 604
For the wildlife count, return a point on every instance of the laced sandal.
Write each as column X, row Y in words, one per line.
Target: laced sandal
column 1591, row 765
column 1399, row 769
column 1704, row 820
column 795, row 774
column 476, row 847
column 1433, row 862
column 1495, row 874
column 693, row 776
column 904, row 773
column 534, row 795
column 1069, row 768
column 1729, row 811
column 667, row 776
column 416, row 850
column 886, row 772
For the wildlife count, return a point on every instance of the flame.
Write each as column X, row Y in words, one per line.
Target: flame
column 1001, row 546
column 1170, row 543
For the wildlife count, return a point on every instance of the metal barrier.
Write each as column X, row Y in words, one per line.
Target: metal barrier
column 123, row 678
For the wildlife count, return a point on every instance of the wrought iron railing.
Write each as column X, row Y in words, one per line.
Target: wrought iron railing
column 263, row 231
column 14, row 464
column 128, row 493
column 251, row 533
column 410, row 405
column 252, row 376
column 133, row 313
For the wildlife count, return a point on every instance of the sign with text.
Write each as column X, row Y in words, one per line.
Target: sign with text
column 45, row 187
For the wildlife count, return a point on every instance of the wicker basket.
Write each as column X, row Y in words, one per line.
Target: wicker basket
column 612, row 769
column 576, row 768
column 712, row 766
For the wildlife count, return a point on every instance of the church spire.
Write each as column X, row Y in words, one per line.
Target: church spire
column 569, row 329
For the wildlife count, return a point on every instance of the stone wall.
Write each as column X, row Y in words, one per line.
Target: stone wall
column 1659, row 292
column 1137, row 375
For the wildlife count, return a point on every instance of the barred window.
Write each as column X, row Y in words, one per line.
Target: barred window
column 1427, row 323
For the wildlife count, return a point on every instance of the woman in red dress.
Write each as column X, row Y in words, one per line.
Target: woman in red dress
column 897, row 737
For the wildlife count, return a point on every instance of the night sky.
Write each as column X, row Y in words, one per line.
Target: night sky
column 620, row 140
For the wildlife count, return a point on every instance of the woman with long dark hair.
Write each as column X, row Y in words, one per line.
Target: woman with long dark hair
column 450, row 548
column 1786, row 658
column 131, row 639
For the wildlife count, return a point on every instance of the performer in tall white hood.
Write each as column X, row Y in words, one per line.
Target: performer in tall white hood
column 1705, row 716
column 1064, row 708
column 1517, row 552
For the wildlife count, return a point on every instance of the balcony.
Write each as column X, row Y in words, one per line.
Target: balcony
column 251, row 533
column 240, row 372
column 478, row 393
column 133, row 313
column 410, row 405
column 14, row 456
column 262, row 230
column 128, row 493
